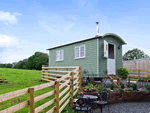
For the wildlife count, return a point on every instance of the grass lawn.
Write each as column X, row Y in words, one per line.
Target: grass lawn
column 20, row 79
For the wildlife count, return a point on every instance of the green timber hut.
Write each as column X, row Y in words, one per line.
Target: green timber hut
column 100, row 55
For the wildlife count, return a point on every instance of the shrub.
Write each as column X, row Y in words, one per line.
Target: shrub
column 89, row 86
column 122, row 85
column 101, row 87
column 112, row 86
column 92, row 80
column 130, row 90
column 134, row 86
column 108, row 89
column 123, row 72
column 147, row 86
column 120, row 89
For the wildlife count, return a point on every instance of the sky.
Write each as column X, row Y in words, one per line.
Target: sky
column 28, row 26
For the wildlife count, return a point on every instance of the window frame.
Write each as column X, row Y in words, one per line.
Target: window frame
column 60, row 55
column 79, row 52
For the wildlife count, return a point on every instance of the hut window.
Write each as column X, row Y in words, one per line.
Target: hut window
column 80, row 52
column 59, row 55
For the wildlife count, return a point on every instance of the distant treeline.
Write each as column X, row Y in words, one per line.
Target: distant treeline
column 34, row 62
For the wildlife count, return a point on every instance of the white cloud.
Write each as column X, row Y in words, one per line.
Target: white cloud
column 16, row 13
column 6, row 23
column 68, row 27
column 81, row 3
column 14, row 58
column 7, row 17
column 48, row 28
column 72, row 17
column 6, row 41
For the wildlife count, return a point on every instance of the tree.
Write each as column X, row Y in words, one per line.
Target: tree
column 9, row 65
column 37, row 60
column 134, row 53
column 13, row 64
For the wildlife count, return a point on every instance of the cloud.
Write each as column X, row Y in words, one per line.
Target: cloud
column 72, row 17
column 68, row 27
column 6, row 23
column 6, row 41
column 81, row 3
column 48, row 28
column 15, row 57
column 7, row 17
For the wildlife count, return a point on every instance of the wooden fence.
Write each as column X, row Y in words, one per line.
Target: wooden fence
column 72, row 77
column 137, row 73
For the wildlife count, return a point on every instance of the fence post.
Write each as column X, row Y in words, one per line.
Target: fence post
column 57, row 97
column 129, row 82
column 31, row 102
column 80, row 78
column 43, row 71
column 138, row 73
column 55, row 72
column 71, row 87
column 67, row 77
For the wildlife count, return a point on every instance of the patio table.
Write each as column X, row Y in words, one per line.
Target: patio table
column 88, row 96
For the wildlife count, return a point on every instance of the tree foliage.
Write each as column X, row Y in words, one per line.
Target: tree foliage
column 134, row 53
column 33, row 62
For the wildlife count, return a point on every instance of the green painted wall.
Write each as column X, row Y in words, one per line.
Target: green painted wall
column 102, row 60
column 89, row 62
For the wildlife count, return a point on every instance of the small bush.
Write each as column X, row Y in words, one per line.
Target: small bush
column 112, row 86
column 89, row 86
column 108, row 89
column 120, row 89
column 92, row 80
column 101, row 87
column 123, row 73
column 147, row 86
column 130, row 90
column 122, row 85
column 134, row 86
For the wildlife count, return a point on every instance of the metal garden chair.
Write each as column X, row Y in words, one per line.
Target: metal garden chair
column 103, row 99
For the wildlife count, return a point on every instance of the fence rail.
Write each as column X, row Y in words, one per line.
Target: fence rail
column 139, row 73
column 69, row 77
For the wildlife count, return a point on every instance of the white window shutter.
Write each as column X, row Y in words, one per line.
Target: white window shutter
column 105, row 49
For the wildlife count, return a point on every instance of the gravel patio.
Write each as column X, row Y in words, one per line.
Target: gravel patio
column 126, row 107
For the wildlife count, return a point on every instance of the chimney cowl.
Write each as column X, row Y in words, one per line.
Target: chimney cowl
column 97, row 28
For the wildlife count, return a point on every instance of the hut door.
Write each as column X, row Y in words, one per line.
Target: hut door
column 111, row 66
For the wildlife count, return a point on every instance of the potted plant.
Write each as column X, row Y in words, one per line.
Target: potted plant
column 90, row 89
